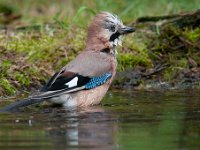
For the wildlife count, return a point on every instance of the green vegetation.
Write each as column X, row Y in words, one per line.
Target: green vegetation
column 41, row 36
column 178, row 47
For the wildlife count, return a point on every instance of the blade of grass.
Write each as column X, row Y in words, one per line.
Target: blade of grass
column 80, row 11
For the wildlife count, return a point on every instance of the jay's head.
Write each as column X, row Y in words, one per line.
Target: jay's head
column 107, row 29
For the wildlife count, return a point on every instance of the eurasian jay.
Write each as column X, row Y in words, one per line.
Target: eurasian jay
column 85, row 80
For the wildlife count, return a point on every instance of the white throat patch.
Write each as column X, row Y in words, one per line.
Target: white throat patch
column 117, row 41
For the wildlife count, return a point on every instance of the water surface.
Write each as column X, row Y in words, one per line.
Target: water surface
column 125, row 120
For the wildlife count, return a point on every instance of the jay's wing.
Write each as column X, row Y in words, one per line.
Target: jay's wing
column 67, row 82
column 88, row 70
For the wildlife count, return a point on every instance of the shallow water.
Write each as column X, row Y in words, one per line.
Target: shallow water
column 125, row 120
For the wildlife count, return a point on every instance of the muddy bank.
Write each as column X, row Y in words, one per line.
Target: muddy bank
column 173, row 45
column 142, row 78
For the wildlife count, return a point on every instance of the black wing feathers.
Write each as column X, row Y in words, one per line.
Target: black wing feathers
column 59, row 80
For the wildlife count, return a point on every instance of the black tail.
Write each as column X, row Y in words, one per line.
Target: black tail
column 38, row 99
column 22, row 103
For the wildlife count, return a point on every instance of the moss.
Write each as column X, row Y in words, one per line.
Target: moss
column 171, row 72
column 134, row 52
column 22, row 79
column 33, row 47
column 131, row 60
column 176, row 47
column 4, row 66
column 9, row 89
column 192, row 35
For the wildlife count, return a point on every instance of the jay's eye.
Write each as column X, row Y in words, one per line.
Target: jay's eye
column 112, row 28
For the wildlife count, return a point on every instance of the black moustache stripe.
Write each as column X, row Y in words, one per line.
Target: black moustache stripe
column 114, row 36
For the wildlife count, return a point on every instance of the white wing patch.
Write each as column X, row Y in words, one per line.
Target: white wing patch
column 72, row 83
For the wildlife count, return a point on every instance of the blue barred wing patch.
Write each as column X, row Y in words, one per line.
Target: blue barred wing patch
column 97, row 81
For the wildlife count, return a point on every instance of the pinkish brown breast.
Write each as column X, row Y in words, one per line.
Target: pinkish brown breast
column 94, row 96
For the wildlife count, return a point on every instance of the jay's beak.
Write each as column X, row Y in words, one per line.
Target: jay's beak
column 126, row 30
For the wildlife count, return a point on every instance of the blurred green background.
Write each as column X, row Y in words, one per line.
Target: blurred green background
column 43, row 11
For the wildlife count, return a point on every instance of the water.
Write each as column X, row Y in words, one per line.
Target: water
column 140, row 120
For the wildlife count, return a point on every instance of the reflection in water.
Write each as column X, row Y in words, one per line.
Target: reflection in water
column 126, row 120
column 91, row 128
